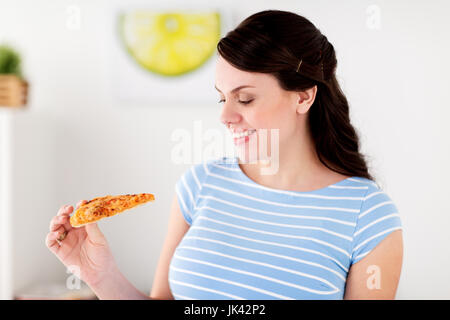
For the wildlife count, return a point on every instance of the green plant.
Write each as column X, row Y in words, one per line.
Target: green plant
column 10, row 61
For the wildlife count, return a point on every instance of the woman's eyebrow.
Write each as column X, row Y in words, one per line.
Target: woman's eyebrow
column 236, row 89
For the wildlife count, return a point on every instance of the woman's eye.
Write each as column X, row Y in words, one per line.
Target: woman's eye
column 242, row 102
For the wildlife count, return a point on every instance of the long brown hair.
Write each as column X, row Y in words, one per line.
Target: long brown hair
column 299, row 56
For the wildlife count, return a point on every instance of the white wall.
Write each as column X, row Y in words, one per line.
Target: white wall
column 73, row 142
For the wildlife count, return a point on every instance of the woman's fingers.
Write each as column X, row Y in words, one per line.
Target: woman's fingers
column 58, row 221
column 50, row 242
column 65, row 210
column 52, row 239
column 60, row 226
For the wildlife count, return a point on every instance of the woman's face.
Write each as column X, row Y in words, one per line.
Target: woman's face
column 264, row 105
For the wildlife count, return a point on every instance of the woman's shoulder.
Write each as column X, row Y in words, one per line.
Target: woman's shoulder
column 373, row 192
column 366, row 183
column 376, row 196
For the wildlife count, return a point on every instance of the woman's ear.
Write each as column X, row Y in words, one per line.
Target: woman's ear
column 305, row 99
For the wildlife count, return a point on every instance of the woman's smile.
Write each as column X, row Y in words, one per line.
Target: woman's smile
column 242, row 136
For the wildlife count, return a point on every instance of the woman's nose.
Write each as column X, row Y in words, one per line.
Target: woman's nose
column 229, row 114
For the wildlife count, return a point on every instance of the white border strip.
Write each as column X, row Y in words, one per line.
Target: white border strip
column 5, row 207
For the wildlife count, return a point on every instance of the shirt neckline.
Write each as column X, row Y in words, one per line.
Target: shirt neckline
column 247, row 178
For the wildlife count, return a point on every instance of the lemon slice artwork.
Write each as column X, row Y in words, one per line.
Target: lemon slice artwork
column 170, row 43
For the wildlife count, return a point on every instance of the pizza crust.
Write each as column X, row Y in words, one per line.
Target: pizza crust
column 103, row 207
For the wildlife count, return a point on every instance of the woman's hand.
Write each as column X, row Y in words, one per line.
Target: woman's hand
column 84, row 248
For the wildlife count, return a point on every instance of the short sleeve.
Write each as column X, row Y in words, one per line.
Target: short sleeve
column 188, row 188
column 377, row 218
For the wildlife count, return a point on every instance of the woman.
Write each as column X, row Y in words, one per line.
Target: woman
column 317, row 227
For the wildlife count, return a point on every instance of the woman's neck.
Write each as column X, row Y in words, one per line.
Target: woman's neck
column 299, row 168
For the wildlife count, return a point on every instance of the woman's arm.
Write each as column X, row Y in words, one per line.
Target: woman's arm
column 376, row 276
column 176, row 230
column 116, row 287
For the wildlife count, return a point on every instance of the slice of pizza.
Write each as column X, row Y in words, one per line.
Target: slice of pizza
column 103, row 207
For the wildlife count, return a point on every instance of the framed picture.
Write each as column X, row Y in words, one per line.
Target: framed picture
column 161, row 55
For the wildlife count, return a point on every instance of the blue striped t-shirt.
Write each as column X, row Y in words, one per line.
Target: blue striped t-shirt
column 248, row 241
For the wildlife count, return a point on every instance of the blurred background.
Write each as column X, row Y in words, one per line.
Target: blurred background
column 95, row 121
